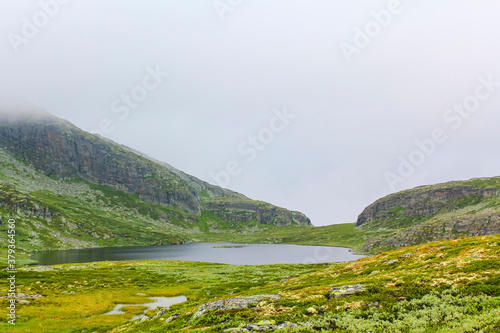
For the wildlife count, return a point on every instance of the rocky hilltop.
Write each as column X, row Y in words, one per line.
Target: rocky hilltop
column 443, row 211
column 69, row 163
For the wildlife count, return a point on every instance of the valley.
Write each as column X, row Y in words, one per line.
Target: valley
column 432, row 267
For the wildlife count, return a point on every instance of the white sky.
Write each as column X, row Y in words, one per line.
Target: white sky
column 352, row 119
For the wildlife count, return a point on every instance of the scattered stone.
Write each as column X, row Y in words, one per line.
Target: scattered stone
column 23, row 301
column 41, row 269
column 77, row 267
column 236, row 330
column 407, row 255
column 140, row 294
column 173, row 317
column 264, row 326
column 284, row 280
column 393, row 261
column 144, row 319
column 345, row 291
column 23, row 296
column 160, row 313
column 233, row 303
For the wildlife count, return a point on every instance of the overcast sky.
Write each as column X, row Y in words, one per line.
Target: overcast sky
column 320, row 106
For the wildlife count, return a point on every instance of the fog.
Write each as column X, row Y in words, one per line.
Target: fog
column 318, row 106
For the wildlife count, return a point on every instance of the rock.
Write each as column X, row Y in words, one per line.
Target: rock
column 236, row 330
column 41, row 269
column 233, row 303
column 287, row 325
column 23, row 296
column 173, row 317
column 261, row 328
column 23, row 301
column 160, row 313
column 245, row 211
column 392, row 261
column 345, row 291
column 428, row 213
column 144, row 319
column 265, row 326
column 63, row 151
column 423, row 201
column 407, row 255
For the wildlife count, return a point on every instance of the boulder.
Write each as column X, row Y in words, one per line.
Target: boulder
column 233, row 303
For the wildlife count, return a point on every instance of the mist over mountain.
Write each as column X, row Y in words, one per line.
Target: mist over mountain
column 63, row 179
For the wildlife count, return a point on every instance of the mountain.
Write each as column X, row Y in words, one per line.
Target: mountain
column 443, row 211
column 74, row 189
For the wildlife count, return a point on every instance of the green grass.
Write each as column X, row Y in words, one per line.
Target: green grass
column 446, row 286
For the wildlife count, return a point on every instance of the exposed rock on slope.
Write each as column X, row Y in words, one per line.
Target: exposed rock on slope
column 74, row 158
column 425, row 201
column 63, row 151
column 244, row 211
column 443, row 211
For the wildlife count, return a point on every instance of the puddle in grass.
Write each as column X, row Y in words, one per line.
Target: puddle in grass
column 158, row 302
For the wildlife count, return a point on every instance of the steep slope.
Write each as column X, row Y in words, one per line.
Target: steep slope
column 60, row 174
column 61, row 150
column 443, row 211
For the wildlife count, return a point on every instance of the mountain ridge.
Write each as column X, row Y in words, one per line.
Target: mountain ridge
column 426, row 213
column 72, row 189
column 72, row 153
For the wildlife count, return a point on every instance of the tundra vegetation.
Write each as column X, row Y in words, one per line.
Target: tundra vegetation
column 444, row 286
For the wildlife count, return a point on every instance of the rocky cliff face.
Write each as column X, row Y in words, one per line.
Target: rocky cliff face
column 444, row 211
column 244, row 211
column 477, row 224
column 426, row 201
column 63, row 151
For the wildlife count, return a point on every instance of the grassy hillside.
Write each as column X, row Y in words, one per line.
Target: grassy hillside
column 426, row 213
column 341, row 235
column 446, row 286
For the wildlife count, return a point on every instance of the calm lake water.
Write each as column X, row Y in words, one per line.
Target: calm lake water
column 243, row 254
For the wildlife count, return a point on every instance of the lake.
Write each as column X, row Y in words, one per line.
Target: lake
column 224, row 253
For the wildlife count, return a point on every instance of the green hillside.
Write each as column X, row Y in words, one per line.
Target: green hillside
column 443, row 211
column 446, row 286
